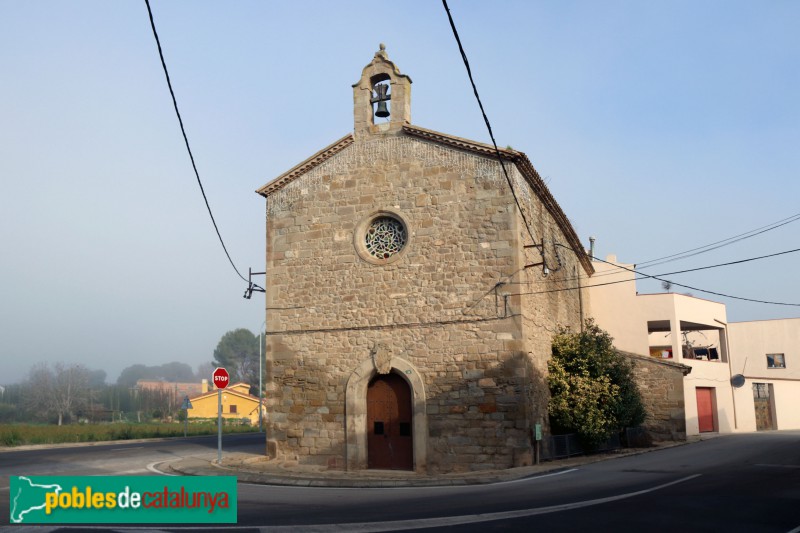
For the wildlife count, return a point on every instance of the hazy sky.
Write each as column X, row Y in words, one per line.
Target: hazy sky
column 658, row 126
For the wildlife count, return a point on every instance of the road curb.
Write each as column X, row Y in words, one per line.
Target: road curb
column 246, row 473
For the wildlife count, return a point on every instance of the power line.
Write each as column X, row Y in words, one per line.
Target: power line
column 701, row 290
column 618, row 268
column 685, row 254
column 719, row 244
column 659, row 278
column 730, row 263
column 379, row 327
column 486, row 120
column 186, row 139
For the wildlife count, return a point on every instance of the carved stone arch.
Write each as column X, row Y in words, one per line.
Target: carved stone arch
column 356, row 413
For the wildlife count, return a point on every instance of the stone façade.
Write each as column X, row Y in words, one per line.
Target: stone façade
column 456, row 313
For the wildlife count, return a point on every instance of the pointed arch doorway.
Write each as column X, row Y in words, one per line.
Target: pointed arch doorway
column 389, row 423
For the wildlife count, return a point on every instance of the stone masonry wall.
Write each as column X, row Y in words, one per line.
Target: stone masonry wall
column 435, row 307
column 661, row 385
column 547, row 302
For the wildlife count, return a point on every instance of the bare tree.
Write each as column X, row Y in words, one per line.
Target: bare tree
column 155, row 403
column 62, row 390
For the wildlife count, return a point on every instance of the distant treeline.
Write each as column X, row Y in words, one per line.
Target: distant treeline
column 68, row 393
column 64, row 393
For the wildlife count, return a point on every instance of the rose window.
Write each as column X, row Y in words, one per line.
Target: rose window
column 385, row 237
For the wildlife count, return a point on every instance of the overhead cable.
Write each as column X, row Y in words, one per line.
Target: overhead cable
column 486, row 121
column 699, row 289
column 660, row 278
column 186, row 140
column 718, row 244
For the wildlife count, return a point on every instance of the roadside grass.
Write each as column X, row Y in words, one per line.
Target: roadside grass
column 22, row 434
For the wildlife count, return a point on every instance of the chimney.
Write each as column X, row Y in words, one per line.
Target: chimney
column 203, row 386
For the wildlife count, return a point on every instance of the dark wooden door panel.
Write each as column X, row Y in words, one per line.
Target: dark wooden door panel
column 389, row 442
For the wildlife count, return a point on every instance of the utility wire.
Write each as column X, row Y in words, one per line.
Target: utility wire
column 735, row 238
column 659, row 278
column 618, row 269
column 698, row 289
column 488, row 125
column 186, row 140
column 719, row 244
column 730, row 263
column 645, row 276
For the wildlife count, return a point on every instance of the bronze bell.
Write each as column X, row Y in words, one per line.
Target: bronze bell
column 383, row 110
column 381, row 98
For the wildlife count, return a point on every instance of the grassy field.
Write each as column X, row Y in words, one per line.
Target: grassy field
column 21, row 434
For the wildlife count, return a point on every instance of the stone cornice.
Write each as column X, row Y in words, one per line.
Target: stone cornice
column 300, row 169
column 459, row 142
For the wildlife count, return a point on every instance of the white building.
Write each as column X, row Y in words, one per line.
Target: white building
column 745, row 376
column 766, row 354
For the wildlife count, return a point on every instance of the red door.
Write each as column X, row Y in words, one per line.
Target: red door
column 705, row 408
column 389, row 442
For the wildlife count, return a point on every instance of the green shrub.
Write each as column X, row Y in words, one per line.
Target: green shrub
column 592, row 389
column 9, row 437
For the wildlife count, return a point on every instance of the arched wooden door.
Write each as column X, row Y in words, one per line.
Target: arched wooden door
column 389, row 443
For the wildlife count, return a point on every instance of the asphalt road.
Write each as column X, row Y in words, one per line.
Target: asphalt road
column 734, row 483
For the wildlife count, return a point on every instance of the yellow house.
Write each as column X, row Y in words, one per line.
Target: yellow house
column 237, row 403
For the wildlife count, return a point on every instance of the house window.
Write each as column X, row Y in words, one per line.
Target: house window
column 761, row 390
column 233, row 409
column 662, row 352
column 776, row 360
column 708, row 353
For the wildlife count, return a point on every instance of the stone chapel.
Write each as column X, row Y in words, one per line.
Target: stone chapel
column 410, row 308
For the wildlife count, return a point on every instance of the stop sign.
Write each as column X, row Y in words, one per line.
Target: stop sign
column 220, row 378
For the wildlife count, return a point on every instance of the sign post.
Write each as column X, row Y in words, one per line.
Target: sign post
column 187, row 404
column 537, row 435
column 220, row 379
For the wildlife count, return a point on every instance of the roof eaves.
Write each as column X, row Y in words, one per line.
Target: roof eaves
column 459, row 142
column 540, row 188
column 303, row 167
column 226, row 391
column 686, row 369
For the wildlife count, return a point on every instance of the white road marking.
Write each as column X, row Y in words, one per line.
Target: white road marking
column 795, row 530
column 535, row 477
column 444, row 521
column 152, row 468
column 471, row 519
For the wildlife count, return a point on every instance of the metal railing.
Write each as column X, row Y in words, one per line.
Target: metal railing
column 563, row 446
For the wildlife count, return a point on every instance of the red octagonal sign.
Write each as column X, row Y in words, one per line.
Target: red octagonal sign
column 220, row 378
